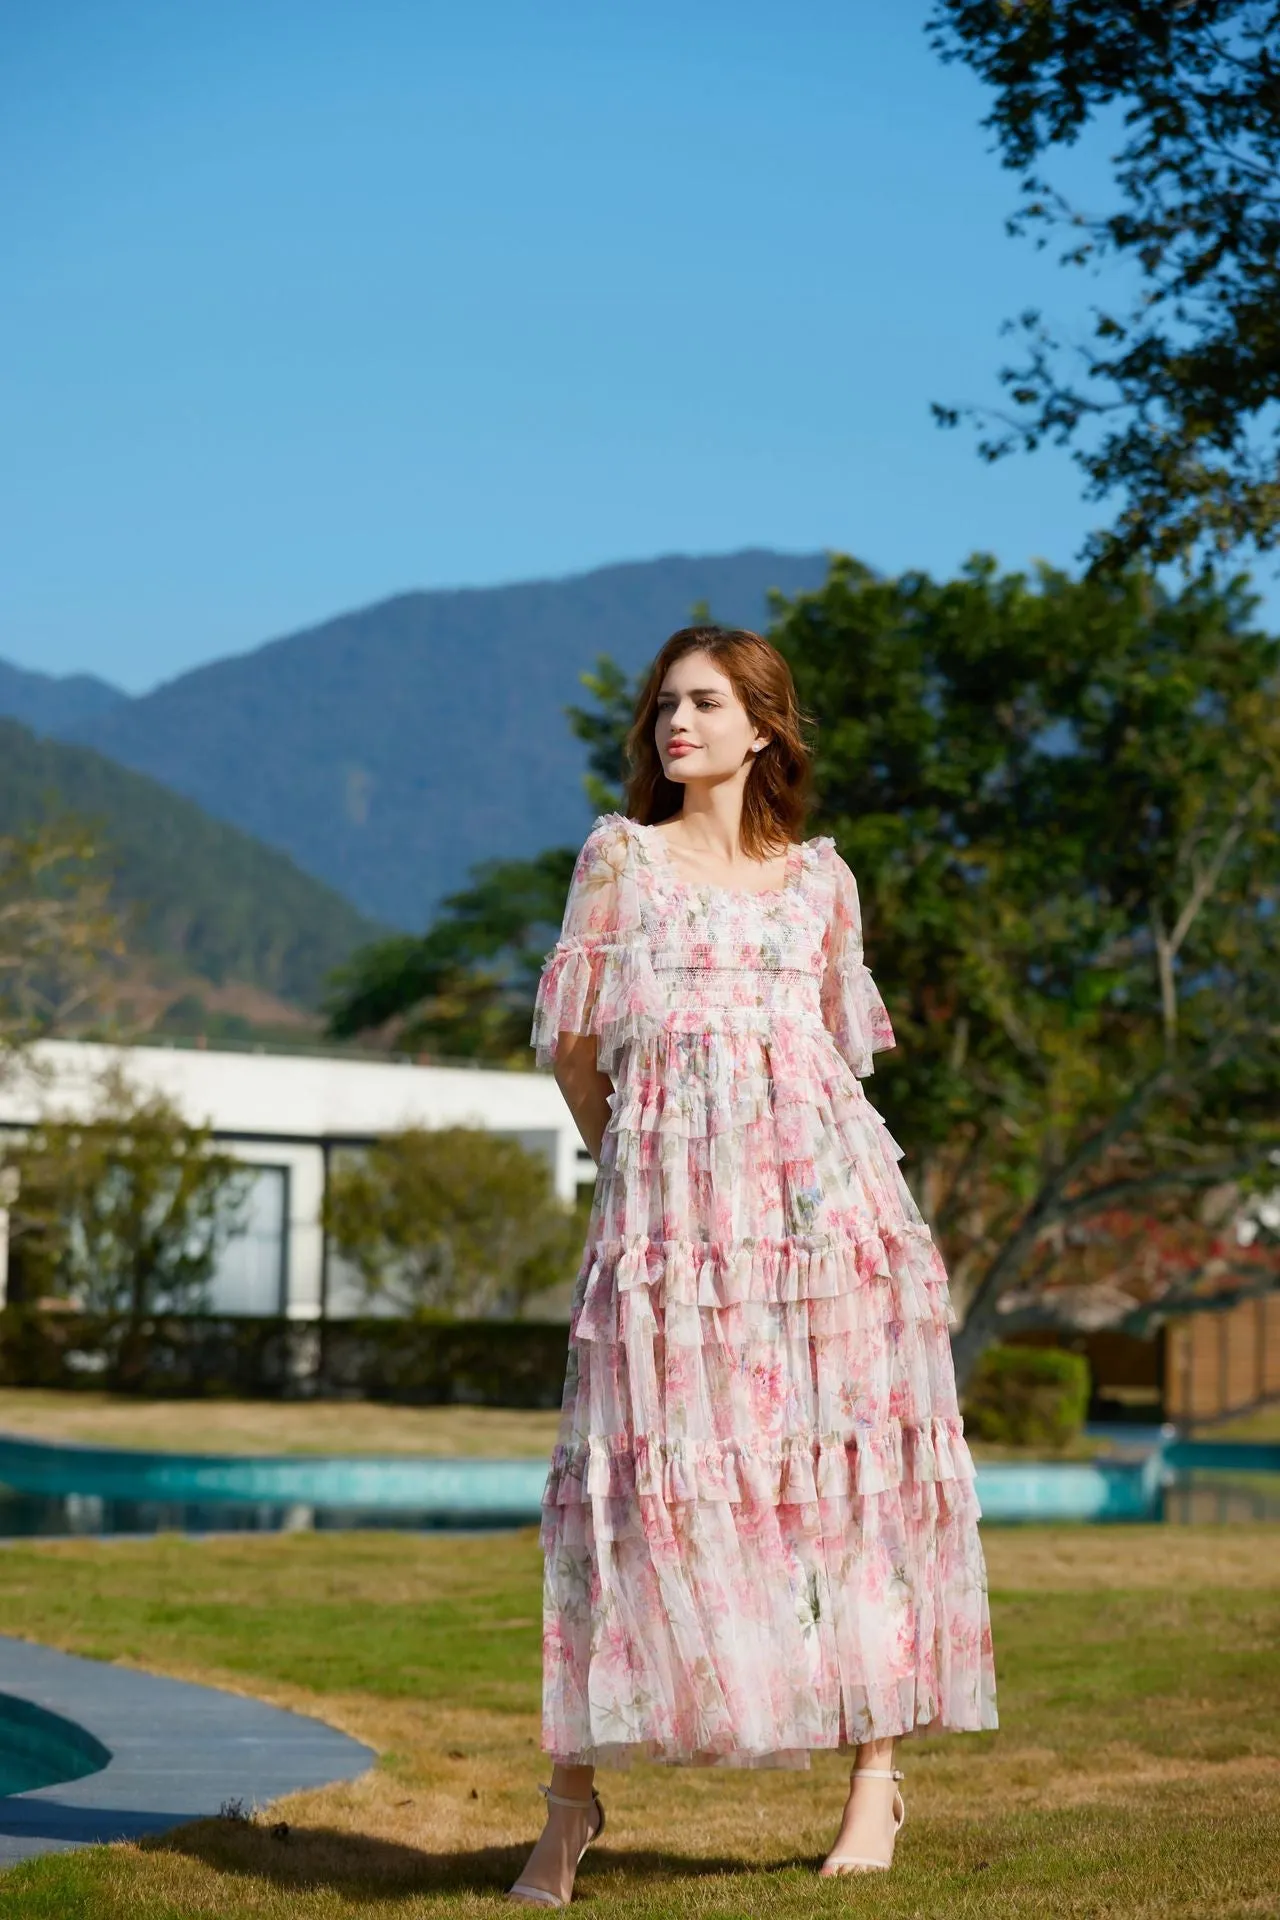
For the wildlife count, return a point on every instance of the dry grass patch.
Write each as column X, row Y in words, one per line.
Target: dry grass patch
column 273, row 1426
column 1128, row 1558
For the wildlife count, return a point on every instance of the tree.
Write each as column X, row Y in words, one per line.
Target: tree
column 452, row 1219
column 1172, row 404
column 464, row 988
column 58, row 934
column 127, row 1211
column 1060, row 800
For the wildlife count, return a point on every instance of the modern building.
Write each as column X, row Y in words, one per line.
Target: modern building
column 286, row 1114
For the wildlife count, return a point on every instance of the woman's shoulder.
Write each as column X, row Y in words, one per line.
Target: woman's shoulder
column 607, row 844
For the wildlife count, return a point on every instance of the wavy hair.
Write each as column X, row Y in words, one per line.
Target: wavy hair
column 777, row 797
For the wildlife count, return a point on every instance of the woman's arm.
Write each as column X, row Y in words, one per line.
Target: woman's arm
column 586, row 1088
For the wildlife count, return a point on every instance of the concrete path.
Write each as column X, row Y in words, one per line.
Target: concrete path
column 178, row 1752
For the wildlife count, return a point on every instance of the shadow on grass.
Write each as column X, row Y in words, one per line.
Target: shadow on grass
column 361, row 1867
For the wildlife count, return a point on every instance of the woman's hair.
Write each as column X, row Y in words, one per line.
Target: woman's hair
column 777, row 795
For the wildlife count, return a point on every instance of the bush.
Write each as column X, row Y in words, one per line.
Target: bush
column 493, row 1363
column 1028, row 1397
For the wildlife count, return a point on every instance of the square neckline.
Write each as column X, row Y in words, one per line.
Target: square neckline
column 795, row 849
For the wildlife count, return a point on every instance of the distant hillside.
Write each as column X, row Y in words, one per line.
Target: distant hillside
column 206, row 896
column 51, row 705
column 389, row 749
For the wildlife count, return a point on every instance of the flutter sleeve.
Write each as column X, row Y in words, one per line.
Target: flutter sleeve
column 852, row 1009
column 598, row 977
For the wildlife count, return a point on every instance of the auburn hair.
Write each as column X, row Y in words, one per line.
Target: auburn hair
column 777, row 797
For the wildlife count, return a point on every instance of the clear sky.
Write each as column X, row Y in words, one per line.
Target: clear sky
column 309, row 303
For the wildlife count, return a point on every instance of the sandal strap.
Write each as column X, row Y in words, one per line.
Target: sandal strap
column 542, row 1896
column 878, row 1773
column 560, row 1800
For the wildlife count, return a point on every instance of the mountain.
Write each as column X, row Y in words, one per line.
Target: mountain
column 202, row 896
column 51, row 705
column 389, row 749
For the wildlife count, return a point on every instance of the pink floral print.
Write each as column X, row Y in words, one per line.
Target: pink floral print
column 759, row 1522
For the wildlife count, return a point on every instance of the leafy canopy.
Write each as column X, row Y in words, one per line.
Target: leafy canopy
column 1060, row 800
column 1172, row 404
column 451, row 1220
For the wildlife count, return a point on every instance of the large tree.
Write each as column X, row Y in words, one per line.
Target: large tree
column 123, row 1210
column 58, row 933
column 1061, row 802
column 1170, row 405
column 452, row 1220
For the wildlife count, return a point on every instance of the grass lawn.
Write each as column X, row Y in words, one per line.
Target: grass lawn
column 321, row 1426
column 1136, row 1773
column 273, row 1426
column 1262, row 1424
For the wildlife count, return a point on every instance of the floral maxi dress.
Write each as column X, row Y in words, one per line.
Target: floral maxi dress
column 759, row 1522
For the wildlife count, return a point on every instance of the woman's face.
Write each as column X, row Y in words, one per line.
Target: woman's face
column 701, row 729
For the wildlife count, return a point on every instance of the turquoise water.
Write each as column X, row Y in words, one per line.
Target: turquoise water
column 40, row 1749
column 53, row 1489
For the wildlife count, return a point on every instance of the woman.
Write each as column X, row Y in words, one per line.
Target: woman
column 759, row 1523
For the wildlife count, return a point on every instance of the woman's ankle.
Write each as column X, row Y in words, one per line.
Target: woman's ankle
column 875, row 1754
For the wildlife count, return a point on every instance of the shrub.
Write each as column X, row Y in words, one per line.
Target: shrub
column 492, row 1363
column 1027, row 1397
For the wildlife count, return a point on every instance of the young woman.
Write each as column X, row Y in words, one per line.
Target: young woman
column 759, row 1522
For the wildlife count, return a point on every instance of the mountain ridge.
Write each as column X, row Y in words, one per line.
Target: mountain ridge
column 199, row 893
column 389, row 749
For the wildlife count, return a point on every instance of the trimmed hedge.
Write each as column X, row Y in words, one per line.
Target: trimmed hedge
column 1028, row 1397
column 496, row 1363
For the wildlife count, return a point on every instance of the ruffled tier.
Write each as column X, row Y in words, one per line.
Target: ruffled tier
column 708, row 1292
column 859, row 1019
column 730, row 1069
column 600, row 987
column 751, row 1629
column 748, row 1469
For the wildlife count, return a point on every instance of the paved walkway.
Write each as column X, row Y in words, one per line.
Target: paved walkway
column 178, row 1752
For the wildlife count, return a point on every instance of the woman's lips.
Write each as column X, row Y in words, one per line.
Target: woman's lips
column 679, row 748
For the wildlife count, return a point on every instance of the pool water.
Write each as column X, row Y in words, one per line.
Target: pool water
column 1192, row 1497
column 31, row 1516
column 41, row 1749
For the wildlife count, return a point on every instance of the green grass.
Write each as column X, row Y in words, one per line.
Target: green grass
column 1135, row 1773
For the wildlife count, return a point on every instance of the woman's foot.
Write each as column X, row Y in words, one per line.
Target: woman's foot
column 554, row 1860
column 870, row 1824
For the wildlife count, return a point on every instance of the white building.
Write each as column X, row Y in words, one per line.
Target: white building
column 286, row 1114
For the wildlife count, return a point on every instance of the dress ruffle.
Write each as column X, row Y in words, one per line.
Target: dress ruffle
column 846, row 1285
column 795, row 1471
column 860, row 1019
column 760, row 1522
column 600, row 987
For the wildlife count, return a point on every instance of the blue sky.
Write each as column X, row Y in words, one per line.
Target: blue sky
column 307, row 304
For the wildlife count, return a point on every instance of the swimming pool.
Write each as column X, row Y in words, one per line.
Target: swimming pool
column 41, row 1749
column 50, row 1488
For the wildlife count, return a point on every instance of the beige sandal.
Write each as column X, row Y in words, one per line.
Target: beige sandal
column 542, row 1896
column 859, row 1863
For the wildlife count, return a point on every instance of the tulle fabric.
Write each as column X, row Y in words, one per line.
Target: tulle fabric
column 759, row 1522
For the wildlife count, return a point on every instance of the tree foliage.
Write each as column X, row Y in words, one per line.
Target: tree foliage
column 1060, row 800
column 1172, row 403
column 58, row 933
column 464, row 989
column 186, row 888
column 125, row 1211
column 452, row 1219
